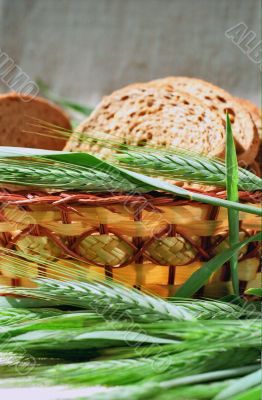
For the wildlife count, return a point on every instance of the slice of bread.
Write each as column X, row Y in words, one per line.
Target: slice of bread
column 16, row 121
column 255, row 113
column 244, row 129
column 151, row 116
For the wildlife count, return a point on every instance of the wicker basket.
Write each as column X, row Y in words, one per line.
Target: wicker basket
column 152, row 241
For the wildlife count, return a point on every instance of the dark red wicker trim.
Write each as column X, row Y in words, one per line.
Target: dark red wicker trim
column 101, row 199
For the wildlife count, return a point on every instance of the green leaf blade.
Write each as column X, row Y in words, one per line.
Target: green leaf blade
column 241, row 385
column 254, row 292
column 119, row 179
column 232, row 195
column 200, row 277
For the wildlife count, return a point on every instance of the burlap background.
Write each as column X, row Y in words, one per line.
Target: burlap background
column 87, row 48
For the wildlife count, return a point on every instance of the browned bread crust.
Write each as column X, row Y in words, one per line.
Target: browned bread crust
column 255, row 113
column 16, row 121
column 143, row 115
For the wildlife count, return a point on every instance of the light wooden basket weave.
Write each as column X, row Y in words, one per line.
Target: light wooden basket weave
column 153, row 241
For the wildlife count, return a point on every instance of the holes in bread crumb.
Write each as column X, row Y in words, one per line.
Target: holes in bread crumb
column 150, row 102
column 231, row 113
column 142, row 113
column 208, row 98
column 133, row 126
column 110, row 116
column 186, row 102
column 214, row 108
column 221, row 99
column 124, row 98
column 142, row 142
column 149, row 135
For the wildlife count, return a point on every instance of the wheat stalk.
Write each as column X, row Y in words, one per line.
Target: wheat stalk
column 126, row 371
column 191, row 346
column 12, row 316
column 185, row 166
column 113, row 179
column 105, row 299
column 182, row 341
column 189, row 355
column 172, row 163
column 77, row 323
column 58, row 175
column 215, row 309
column 97, row 371
column 124, row 301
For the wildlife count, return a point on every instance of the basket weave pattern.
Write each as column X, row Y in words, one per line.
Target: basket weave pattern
column 155, row 241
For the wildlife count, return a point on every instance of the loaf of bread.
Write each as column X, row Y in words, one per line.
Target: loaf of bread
column 17, row 114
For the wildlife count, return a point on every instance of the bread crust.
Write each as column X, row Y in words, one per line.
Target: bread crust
column 255, row 113
column 16, row 115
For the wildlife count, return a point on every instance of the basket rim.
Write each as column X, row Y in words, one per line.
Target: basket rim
column 23, row 197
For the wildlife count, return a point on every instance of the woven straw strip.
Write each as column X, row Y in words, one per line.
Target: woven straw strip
column 52, row 220
column 112, row 250
column 172, row 251
column 139, row 257
column 256, row 282
column 143, row 229
column 105, row 250
column 152, row 238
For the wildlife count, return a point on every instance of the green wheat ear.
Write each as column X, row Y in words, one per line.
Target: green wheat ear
column 101, row 176
column 172, row 163
column 184, row 166
column 109, row 296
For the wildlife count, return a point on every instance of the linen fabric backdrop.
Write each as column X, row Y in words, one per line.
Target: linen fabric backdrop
column 85, row 49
